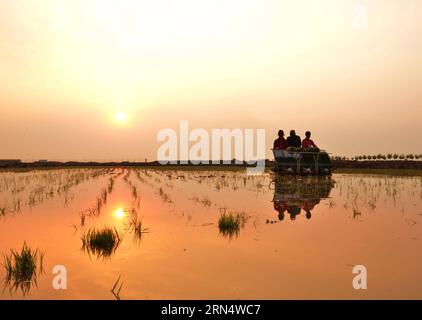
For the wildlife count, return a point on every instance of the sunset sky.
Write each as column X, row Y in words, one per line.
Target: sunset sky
column 97, row 79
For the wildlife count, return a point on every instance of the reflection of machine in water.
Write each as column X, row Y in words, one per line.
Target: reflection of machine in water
column 293, row 194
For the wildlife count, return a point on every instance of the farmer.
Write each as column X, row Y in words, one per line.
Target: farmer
column 280, row 206
column 294, row 210
column 307, row 143
column 309, row 205
column 280, row 143
column 293, row 140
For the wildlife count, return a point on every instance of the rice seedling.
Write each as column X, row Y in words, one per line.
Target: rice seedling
column 99, row 205
column 22, row 268
column 164, row 196
column 205, row 201
column 104, row 196
column 102, row 243
column 110, row 185
column 113, row 290
column 372, row 204
column 16, row 205
column 356, row 214
column 83, row 217
column 136, row 227
column 126, row 176
column 2, row 212
column 134, row 192
column 230, row 224
column 31, row 201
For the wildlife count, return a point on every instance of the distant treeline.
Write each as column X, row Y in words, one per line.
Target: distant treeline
column 377, row 164
column 390, row 161
column 389, row 156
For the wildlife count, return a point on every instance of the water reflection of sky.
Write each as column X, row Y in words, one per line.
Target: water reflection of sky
column 292, row 230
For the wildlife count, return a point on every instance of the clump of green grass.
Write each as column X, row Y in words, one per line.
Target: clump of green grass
column 102, row 243
column 22, row 268
column 230, row 224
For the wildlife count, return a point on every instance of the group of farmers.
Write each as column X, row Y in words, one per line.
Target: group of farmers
column 294, row 141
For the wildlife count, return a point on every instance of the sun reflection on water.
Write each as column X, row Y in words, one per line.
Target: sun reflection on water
column 119, row 213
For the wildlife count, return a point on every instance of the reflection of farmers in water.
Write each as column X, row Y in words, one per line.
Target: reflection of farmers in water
column 292, row 195
column 293, row 210
column 309, row 205
column 282, row 206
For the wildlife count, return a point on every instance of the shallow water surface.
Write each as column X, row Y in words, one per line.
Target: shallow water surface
column 294, row 238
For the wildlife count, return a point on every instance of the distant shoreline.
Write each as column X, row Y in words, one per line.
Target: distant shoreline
column 337, row 164
column 378, row 164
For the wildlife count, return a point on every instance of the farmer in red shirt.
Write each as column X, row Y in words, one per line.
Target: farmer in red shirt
column 309, row 205
column 280, row 143
column 307, row 143
column 280, row 207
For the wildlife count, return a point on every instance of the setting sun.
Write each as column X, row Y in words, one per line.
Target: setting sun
column 120, row 116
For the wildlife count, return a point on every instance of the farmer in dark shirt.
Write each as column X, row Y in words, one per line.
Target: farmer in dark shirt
column 293, row 140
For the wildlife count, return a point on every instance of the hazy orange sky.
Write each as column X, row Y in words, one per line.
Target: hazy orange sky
column 67, row 67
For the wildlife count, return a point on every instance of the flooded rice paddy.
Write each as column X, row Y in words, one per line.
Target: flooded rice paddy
column 192, row 234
